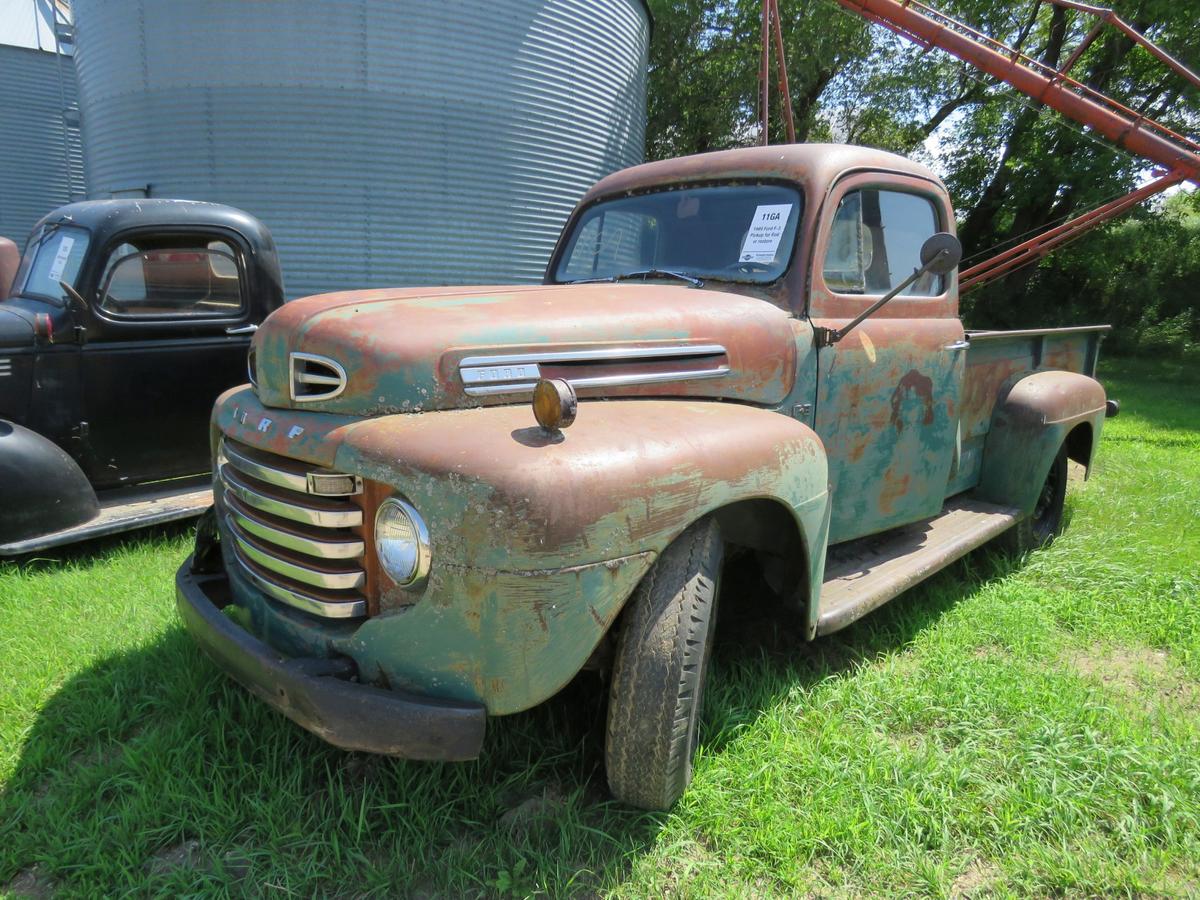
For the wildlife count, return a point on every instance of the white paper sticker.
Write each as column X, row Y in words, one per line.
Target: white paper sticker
column 766, row 231
column 60, row 258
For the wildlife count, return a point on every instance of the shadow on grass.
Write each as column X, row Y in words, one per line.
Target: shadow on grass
column 767, row 659
column 86, row 552
column 150, row 770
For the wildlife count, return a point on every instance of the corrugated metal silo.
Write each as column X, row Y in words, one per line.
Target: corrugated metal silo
column 384, row 143
column 41, row 162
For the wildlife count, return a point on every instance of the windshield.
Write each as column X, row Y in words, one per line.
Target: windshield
column 55, row 254
column 727, row 232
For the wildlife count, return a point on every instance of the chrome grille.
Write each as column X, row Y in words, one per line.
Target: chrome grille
column 298, row 546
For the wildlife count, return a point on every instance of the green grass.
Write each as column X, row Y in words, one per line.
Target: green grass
column 1012, row 727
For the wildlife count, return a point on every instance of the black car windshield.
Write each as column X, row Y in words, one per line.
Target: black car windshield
column 54, row 255
column 740, row 232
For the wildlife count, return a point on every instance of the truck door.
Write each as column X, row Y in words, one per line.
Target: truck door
column 888, row 393
column 159, row 350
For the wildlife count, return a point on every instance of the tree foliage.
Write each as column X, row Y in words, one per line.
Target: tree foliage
column 1011, row 166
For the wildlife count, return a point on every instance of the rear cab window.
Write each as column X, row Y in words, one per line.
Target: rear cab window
column 743, row 233
column 194, row 277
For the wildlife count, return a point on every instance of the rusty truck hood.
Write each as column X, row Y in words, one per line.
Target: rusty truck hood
column 445, row 348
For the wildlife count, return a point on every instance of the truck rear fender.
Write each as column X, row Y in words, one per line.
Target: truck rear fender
column 1038, row 415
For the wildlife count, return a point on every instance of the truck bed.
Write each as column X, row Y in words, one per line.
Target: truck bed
column 995, row 361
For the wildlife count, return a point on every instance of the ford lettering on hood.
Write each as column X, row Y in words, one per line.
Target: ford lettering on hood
column 381, row 352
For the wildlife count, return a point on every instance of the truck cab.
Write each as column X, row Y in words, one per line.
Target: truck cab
column 439, row 505
column 123, row 321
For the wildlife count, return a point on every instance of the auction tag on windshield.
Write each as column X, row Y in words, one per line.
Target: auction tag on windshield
column 60, row 258
column 766, row 231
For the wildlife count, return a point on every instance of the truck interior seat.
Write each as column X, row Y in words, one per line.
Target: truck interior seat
column 10, row 258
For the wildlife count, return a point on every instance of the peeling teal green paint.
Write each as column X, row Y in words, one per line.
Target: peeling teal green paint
column 1032, row 422
column 536, row 545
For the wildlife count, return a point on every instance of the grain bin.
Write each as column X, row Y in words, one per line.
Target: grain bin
column 384, row 143
column 41, row 162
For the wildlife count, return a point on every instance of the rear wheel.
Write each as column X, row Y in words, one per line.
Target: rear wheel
column 662, row 657
column 1040, row 527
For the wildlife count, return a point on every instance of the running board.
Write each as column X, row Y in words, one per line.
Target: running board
column 863, row 574
column 124, row 509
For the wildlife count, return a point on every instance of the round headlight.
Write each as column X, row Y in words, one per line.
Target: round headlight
column 401, row 542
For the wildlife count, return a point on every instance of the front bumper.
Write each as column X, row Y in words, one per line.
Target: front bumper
column 315, row 694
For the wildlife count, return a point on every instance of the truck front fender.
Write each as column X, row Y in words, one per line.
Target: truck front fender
column 1030, row 423
column 537, row 540
column 42, row 489
column 627, row 477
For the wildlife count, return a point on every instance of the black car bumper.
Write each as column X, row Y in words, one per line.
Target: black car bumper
column 314, row 694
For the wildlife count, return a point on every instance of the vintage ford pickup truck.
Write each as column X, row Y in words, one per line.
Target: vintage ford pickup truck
column 400, row 550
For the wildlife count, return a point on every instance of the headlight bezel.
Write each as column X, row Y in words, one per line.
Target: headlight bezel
column 422, row 547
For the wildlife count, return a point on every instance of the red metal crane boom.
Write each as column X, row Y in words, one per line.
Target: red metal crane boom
column 1151, row 140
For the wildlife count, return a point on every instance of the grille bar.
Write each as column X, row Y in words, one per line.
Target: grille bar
column 315, row 577
column 351, row 548
column 337, row 609
column 327, row 516
column 296, row 481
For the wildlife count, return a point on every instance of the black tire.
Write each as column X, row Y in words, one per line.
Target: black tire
column 657, row 690
column 1040, row 527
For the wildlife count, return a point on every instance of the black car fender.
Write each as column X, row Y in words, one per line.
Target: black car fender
column 42, row 489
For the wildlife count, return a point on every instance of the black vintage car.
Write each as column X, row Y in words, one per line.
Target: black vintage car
column 124, row 321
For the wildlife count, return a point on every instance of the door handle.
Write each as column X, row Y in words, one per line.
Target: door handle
column 958, row 345
column 242, row 329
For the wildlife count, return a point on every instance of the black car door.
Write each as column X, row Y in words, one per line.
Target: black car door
column 169, row 328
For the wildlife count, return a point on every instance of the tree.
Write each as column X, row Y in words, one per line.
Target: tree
column 1011, row 166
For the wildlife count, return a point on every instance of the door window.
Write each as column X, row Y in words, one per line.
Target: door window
column 875, row 243
column 192, row 278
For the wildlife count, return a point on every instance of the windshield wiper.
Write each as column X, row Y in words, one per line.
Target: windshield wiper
column 659, row 273
column 644, row 273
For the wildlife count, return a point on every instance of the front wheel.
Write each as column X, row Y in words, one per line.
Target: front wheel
column 658, row 675
column 1040, row 527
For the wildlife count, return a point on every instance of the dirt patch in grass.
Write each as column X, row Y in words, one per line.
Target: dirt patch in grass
column 1138, row 672
column 30, row 884
column 532, row 811
column 978, row 879
column 185, row 855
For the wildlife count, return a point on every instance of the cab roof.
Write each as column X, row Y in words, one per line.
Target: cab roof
column 813, row 166
column 107, row 218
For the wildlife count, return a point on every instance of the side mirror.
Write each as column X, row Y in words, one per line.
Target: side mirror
column 939, row 255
